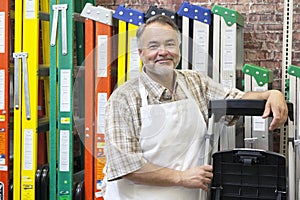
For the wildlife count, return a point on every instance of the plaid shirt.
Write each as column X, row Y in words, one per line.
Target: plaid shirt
column 122, row 121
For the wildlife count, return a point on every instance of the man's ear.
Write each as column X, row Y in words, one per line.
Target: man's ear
column 140, row 52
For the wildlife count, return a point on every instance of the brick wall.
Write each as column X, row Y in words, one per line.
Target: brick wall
column 263, row 29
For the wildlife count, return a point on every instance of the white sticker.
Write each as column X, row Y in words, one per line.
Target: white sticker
column 134, row 59
column 200, row 47
column 102, row 56
column 3, row 168
column 28, row 149
column 2, row 32
column 64, row 151
column 2, row 161
column 65, row 90
column 30, row 9
column 102, row 100
column 99, row 185
column 228, row 49
column 2, row 89
column 227, row 83
column 259, row 124
column 98, row 194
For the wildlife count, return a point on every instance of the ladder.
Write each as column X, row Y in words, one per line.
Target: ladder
column 154, row 10
column 129, row 63
column 89, row 107
column 63, row 19
column 228, row 54
column 26, row 98
column 98, row 90
column 256, row 128
column 4, row 99
column 196, row 54
column 294, row 134
column 61, row 90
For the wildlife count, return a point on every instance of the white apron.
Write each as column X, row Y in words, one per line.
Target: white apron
column 172, row 135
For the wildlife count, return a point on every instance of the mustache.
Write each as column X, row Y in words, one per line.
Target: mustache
column 160, row 59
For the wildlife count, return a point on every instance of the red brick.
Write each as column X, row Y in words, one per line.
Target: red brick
column 259, row 28
column 252, row 45
column 267, row 18
column 263, row 8
column 274, row 46
column 270, row 64
column 274, row 27
column 277, row 56
column 250, row 55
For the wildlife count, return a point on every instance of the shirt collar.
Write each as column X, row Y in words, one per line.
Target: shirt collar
column 155, row 89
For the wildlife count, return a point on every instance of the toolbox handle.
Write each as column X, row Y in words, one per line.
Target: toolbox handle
column 241, row 107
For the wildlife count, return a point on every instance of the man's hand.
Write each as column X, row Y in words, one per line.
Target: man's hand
column 275, row 103
column 197, row 177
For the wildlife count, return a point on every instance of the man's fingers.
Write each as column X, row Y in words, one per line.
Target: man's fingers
column 279, row 118
column 267, row 111
column 204, row 187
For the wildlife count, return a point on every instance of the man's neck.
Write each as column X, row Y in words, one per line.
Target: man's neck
column 165, row 80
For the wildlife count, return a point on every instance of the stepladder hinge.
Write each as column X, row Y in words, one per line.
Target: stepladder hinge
column 56, row 8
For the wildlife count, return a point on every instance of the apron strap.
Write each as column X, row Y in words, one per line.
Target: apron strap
column 144, row 93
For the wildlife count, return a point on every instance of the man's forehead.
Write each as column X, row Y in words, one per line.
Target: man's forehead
column 159, row 26
column 159, row 31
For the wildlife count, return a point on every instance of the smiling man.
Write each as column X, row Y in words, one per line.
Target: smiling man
column 155, row 124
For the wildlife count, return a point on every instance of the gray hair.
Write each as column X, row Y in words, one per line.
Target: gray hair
column 162, row 19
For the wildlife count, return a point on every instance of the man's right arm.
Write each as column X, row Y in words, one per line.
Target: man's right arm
column 151, row 174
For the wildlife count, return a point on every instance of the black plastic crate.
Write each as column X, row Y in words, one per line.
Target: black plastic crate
column 248, row 174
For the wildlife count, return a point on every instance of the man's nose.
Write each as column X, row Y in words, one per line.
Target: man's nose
column 162, row 50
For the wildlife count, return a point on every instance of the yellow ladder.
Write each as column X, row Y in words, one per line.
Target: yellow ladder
column 26, row 98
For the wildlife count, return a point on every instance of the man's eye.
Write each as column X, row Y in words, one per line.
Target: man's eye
column 170, row 44
column 152, row 47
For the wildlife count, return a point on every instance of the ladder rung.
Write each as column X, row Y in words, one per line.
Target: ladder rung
column 78, row 176
column 43, row 125
column 44, row 16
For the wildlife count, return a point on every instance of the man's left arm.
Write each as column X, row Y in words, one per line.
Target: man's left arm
column 276, row 104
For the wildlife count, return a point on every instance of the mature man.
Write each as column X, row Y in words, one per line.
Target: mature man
column 155, row 124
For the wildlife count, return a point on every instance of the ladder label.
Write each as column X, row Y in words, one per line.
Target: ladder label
column 2, row 159
column 200, row 46
column 102, row 56
column 102, row 100
column 229, row 49
column 2, row 90
column 98, row 194
column 65, row 120
column 28, row 149
column 30, row 9
column 65, row 90
column 3, row 168
column 134, row 58
column 2, row 32
column 100, row 163
column 64, row 151
column 99, row 184
column 226, row 83
column 2, row 148
column 1, row 191
column 259, row 124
